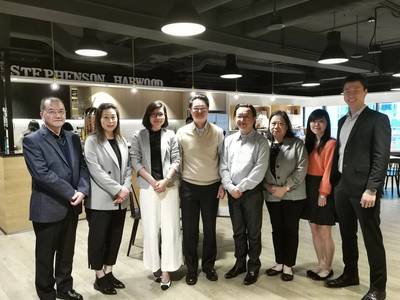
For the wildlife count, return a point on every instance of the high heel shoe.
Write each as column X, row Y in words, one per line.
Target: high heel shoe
column 165, row 285
column 157, row 275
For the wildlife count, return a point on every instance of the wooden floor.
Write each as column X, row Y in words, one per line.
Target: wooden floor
column 17, row 267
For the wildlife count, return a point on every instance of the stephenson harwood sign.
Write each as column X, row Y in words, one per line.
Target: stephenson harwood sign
column 82, row 76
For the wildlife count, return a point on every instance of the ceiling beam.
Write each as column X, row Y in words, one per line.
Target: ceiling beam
column 252, row 11
column 123, row 22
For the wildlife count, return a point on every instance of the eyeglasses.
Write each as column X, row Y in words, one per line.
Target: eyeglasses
column 276, row 124
column 157, row 114
column 53, row 112
column 199, row 109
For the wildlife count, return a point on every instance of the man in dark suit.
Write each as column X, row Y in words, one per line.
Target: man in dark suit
column 358, row 172
column 60, row 181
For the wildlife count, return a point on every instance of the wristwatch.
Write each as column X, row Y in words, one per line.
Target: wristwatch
column 371, row 192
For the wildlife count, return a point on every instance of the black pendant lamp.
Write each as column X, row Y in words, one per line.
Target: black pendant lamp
column 231, row 70
column 183, row 20
column 276, row 21
column 333, row 53
column 90, row 45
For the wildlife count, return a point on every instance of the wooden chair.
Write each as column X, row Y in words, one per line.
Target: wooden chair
column 135, row 214
column 393, row 174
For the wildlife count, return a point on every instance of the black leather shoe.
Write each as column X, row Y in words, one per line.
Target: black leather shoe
column 287, row 277
column 374, row 295
column 191, row 278
column 315, row 276
column 235, row 271
column 117, row 284
column 71, row 294
column 104, row 286
column 211, row 275
column 251, row 277
column 343, row 281
column 272, row 272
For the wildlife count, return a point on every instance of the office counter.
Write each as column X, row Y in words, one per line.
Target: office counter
column 15, row 190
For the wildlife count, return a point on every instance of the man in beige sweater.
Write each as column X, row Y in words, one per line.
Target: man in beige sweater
column 200, row 143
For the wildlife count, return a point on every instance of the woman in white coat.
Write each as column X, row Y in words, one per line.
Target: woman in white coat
column 156, row 160
column 107, row 157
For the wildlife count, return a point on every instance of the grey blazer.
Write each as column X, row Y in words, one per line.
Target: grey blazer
column 141, row 155
column 290, row 169
column 106, row 177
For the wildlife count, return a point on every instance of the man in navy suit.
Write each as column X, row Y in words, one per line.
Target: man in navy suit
column 358, row 171
column 60, row 181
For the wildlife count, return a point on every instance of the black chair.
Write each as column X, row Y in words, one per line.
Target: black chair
column 135, row 214
column 393, row 174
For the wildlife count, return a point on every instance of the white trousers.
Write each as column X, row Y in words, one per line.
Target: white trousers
column 160, row 214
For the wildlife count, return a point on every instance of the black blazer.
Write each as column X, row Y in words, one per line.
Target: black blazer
column 366, row 155
column 51, row 191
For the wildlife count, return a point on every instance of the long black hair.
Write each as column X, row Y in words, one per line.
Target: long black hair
column 311, row 138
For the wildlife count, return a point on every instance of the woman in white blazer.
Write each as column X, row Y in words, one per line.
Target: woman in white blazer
column 107, row 157
column 156, row 160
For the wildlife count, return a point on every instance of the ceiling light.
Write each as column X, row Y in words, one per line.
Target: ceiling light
column 134, row 90
column 397, row 74
column 183, row 20
column 54, row 86
column 231, row 70
column 276, row 21
column 333, row 53
column 311, row 80
column 90, row 45
column 374, row 49
column 371, row 20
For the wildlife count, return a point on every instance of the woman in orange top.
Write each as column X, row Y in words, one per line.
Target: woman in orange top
column 320, row 209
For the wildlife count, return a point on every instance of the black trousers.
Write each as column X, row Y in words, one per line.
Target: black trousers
column 349, row 210
column 246, row 217
column 105, row 235
column 285, row 217
column 57, row 240
column 196, row 200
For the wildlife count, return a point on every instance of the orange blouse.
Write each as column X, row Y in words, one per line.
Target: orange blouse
column 320, row 164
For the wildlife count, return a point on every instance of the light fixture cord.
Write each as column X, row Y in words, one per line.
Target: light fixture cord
column 133, row 57
column 356, row 33
column 274, row 7
column 192, row 72
column 273, row 75
column 52, row 47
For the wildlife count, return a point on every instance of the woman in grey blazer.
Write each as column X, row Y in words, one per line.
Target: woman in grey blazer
column 285, row 192
column 107, row 157
column 156, row 160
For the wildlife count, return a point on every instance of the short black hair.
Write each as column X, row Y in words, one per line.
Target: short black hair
column 249, row 106
column 201, row 97
column 357, row 77
column 285, row 117
column 149, row 109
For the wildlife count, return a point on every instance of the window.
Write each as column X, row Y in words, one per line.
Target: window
column 335, row 113
column 392, row 110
